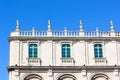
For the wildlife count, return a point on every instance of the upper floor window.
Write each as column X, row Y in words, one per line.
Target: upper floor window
column 66, row 51
column 33, row 51
column 98, row 51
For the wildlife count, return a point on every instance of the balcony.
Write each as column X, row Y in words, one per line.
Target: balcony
column 67, row 61
column 100, row 60
column 34, row 61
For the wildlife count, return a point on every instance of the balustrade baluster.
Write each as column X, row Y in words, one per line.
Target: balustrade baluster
column 69, row 33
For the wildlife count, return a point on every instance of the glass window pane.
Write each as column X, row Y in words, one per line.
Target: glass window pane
column 100, row 45
column 63, row 55
column 35, row 55
column 95, row 45
column 96, row 54
column 63, row 45
column 68, row 49
column 30, row 54
column 98, row 50
column 30, row 50
column 33, row 51
column 35, row 48
column 68, row 55
column 100, row 55
column 65, row 50
column 67, row 45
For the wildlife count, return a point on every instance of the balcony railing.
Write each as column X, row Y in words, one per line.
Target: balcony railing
column 100, row 60
column 36, row 33
column 67, row 60
column 33, row 33
column 97, row 34
column 65, row 33
column 34, row 61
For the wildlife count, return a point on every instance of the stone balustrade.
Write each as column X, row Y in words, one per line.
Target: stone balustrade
column 67, row 60
column 36, row 33
column 100, row 60
column 34, row 61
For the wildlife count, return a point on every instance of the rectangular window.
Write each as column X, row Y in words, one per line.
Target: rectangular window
column 33, row 50
column 66, row 50
column 98, row 52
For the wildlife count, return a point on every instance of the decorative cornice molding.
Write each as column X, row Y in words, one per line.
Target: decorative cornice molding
column 62, row 68
column 65, row 38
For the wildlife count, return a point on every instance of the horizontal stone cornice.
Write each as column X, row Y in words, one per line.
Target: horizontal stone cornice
column 61, row 68
column 65, row 38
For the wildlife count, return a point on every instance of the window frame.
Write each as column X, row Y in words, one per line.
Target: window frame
column 98, row 51
column 66, row 42
column 103, row 50
column 67, row 51
column 38, row 48
column 34, row 53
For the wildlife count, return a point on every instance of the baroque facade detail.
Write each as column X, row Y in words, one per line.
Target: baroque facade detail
column 64, row 55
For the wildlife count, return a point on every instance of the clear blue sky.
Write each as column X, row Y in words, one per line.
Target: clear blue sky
column 62, row 13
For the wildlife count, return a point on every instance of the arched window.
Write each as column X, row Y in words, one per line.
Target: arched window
column 66, row 51
column 98, row 51
column 100, row 77
column 33, row 77
column 67, row 77
column 33, row 51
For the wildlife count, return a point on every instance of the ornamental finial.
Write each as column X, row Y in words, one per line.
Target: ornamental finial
column 33, row 29
column 81, row 25
column 49, row 25
column 112, row 26
column 96, row 28
column 65, row 29
column 17, row 25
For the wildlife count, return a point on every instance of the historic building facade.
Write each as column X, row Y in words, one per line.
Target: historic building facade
column 64, row 55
